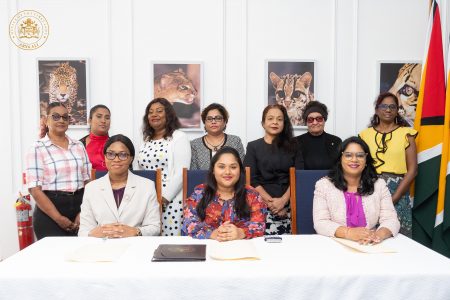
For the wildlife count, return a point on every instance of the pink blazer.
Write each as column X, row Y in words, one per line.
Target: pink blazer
column 329, row 208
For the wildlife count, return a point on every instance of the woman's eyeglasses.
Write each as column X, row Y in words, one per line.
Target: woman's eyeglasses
column 56, row 117
column 385, row 106
column 350, row 155
column 121, row 155
column 214, row 119
column 310, row 120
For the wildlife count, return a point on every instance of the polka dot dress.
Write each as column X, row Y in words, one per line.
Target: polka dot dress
column 152, row 156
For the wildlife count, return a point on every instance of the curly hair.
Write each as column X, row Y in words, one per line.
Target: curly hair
column 368, row 176
column 43, row 129
column 285, row 140
column 375, row 119
column 241, row 207
column 172, row 122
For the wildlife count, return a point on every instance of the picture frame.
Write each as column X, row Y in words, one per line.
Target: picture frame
column 181, row 83
column 401, row 78
column 294, row 77
column 65, row 80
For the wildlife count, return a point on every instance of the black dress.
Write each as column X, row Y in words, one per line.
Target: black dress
column 269, row 168
column 319, row 152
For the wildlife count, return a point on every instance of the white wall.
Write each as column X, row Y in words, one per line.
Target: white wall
column 232, row 38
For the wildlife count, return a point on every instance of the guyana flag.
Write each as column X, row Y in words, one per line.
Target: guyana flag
column 429, row 122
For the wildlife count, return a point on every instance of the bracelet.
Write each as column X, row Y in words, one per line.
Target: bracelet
column 138, row 232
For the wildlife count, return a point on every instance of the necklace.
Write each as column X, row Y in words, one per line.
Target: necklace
column 215, row 147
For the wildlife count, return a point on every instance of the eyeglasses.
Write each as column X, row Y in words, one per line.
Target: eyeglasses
column 56, row 117
column 350, row 155
column 385, row 106
column 121, row 155
column 214, row 119
column 310, row 120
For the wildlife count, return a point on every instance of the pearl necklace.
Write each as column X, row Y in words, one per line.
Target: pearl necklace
column 215, row 147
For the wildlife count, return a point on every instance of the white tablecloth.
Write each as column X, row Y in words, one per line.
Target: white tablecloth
column 301, row 267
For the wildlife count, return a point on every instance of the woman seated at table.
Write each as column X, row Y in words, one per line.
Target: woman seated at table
column 99, row 123
column 352, row 202
column 120, row 204
column 215, row 119
column 223, row 208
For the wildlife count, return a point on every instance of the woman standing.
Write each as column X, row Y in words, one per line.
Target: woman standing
column 57, row 169
column 223, row 208
column 166, row 148
column 319, row 149
column 393, row 149
column 215, row 119
column 120, row 204
column 352, row 202
column 269, row 159
column 99, row 123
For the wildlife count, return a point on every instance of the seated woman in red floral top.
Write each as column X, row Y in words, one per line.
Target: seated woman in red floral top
column 223, row 208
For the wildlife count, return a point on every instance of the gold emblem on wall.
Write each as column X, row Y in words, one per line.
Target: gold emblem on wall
column 28, row 29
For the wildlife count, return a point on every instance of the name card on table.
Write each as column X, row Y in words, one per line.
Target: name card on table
column 233, row 250
column 376, row 248
column 98, row 252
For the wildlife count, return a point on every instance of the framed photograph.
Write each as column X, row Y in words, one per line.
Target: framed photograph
column 65, row 81
column 403, row 80
column 181, row 84
column 291, row 84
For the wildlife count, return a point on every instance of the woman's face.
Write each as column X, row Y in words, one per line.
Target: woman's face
column 214, row 122
column 226, row 171
column 100, row 122
column 387, row 110
column 58, row 120
column 273, row 122
column 117, row 158
column 316, row 123
column 157, row 116
column 353, row 160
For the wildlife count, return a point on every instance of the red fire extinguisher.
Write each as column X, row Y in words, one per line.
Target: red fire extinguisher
column 24, row 221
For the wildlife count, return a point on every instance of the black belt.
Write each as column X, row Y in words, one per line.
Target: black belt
column 62, row 193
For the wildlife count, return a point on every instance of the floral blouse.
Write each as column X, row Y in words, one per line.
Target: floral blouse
column 217, row 213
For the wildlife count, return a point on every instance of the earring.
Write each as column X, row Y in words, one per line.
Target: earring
column 396, row 120
column 377, row 119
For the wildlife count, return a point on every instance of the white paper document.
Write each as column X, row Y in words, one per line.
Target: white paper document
column 233, row 250
column 377, row 248
column 98, row 252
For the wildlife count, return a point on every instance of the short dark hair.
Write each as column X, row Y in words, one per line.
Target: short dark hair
column 94, row 109
column 315, row 106
column 375, row 120
column 368, row 176
column 172, row 122
column 241, row 206
column 223, row 111
column 124, row 140
column 285, row 140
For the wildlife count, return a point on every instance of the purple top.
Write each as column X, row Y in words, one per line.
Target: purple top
column 118, row 195
column 355, row 211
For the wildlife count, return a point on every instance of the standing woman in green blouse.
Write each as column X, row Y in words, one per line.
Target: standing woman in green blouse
column 392, row 146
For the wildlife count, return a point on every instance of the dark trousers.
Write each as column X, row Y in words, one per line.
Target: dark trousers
column 68, row 205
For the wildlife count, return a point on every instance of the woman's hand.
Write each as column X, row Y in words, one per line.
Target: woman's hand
column 227, row 232
column 277, row 205
column 64, row 223
column 113, row 230
column 361, row 235
column 76, row 223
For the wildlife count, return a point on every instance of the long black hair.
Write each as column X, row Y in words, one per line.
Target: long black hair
column 241, row 206
column 285, row 139
column 172, row 122
column 368, row 176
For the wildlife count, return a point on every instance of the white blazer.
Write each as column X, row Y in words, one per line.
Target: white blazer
column 139, row 207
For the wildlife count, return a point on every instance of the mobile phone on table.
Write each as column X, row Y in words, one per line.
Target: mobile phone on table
column 273, row 239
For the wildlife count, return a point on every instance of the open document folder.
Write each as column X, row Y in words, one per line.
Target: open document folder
column 233, row 250
column 377, row 248
column 104, row 251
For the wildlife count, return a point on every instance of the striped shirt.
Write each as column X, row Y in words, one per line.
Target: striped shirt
column 55, row 168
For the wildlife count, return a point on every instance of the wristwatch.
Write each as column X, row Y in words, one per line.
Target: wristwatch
column 138, row 232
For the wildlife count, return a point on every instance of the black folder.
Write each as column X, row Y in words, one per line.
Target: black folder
column 175, row 252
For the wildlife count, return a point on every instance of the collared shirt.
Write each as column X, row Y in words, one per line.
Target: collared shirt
column 55, row 168
column 216, row 214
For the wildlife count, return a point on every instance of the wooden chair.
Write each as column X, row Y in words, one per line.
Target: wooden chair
column 192, row 178
column 155, row 176
column 302, row 184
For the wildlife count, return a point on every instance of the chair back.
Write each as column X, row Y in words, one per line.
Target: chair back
column 302, row 184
